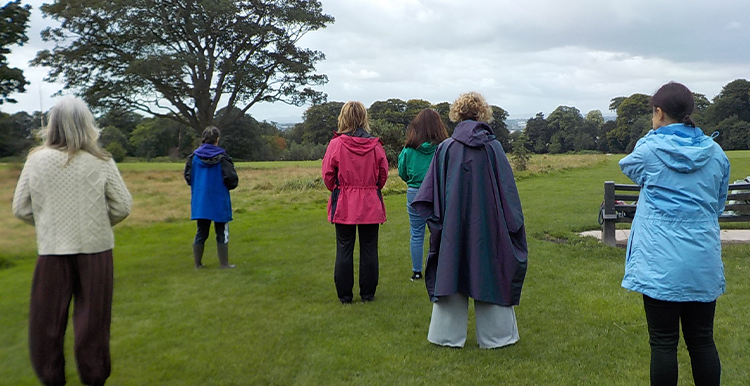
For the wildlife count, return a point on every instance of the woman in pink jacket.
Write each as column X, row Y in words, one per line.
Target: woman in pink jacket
column 354, row 170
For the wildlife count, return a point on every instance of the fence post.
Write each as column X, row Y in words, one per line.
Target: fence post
column 610, row 216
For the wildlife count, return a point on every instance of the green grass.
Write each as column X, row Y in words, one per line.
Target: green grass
column 275, row 320
column 156, row 166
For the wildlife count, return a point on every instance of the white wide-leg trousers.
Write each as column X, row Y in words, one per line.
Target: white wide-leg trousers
column 496, row 325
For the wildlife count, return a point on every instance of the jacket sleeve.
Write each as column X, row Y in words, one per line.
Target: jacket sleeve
column 228, row 173
column 188, row 167
column 633, row 164
column 22, row 198
column 724, row 189
column 119, row 201
column 330, row 168
column 402, row 172
column 382, row 165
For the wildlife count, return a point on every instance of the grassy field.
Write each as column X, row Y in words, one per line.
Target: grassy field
column 275, row 320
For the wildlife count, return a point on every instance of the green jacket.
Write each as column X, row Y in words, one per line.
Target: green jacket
column 413, row 163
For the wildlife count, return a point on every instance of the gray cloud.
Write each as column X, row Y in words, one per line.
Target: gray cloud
column 526, row 57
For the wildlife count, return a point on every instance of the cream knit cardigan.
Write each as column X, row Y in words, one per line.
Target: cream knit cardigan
column 73, row 206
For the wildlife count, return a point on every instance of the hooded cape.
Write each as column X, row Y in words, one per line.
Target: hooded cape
column 477, row 233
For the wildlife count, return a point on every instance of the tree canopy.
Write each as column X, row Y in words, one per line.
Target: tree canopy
column 185, row 59
column 14, row 19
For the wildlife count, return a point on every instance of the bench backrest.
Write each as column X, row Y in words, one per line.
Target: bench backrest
column 736, row 210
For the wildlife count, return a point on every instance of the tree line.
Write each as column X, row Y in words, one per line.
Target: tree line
column 566, row 129
column 158, row 71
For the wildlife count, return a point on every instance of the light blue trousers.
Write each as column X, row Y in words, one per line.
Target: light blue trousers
column 496, row 325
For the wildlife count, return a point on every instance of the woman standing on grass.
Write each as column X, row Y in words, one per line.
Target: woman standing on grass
column 477, row 234
column 355, row 170
column 674, row 251
column 73, row 194
column 423, row 135
column 211, row 175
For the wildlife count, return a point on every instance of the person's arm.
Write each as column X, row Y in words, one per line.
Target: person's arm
column 228, row 173
column 633, row 164
column 119, row 201
column 22, row 198
column 382, row 165
column 723, row 190
column 330, row 168
column 402, row 171
column 188, row 167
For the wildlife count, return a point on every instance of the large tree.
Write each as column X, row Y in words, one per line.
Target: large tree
column 14, row 19
column 320, row 121
column 185, row 59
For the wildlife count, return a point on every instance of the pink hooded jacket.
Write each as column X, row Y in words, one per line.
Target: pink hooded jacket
column 354, row 170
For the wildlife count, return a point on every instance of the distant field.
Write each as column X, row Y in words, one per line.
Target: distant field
column 275, row 320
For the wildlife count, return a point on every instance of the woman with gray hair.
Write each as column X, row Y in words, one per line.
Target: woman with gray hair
column 477, row 235
column 73, row 193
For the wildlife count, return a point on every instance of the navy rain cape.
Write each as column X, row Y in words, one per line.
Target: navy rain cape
column 477, row 234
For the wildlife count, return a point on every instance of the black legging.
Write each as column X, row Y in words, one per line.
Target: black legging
column 698, row 330
column 368, row 261
column 204, row 226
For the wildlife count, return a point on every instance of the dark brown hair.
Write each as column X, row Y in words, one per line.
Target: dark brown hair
column 426, row 127
column 676, row 101
column 210, row 135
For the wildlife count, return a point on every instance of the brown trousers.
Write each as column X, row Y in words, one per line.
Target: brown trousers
column 88, row 279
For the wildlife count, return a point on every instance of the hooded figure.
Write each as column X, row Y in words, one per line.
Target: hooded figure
column 674, row 249
column 211, row 175
column 477, row 235
column 423, row 135
column 354, row 170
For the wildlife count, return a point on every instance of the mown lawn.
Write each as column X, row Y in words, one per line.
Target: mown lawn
column 275, row 320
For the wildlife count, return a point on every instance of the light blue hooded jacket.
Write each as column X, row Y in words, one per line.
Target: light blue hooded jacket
column 674, row 250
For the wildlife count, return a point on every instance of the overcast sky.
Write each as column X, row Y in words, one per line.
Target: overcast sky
column 524, row 56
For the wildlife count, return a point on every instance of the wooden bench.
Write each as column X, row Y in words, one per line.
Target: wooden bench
column 620, row 205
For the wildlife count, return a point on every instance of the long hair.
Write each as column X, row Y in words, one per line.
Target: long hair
column 676, row 101
column 426, row 127
column 470, row 105
column 353, row 115
column 71, row 128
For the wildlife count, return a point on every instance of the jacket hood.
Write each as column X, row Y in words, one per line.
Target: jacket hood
column 208, row 150
column 427, row 148
column 682, row 148
column 473, row 133
column 209, row 154
column 359, row 142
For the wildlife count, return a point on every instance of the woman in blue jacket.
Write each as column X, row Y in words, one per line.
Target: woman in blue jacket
column 674, row 251
column 211, row 175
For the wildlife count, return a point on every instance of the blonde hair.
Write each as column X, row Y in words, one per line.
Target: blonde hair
column 470, row 105
column 71, row 128
column 353, row 115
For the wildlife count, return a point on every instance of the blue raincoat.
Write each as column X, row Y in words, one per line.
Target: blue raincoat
column 211, row 175
column 674, row 250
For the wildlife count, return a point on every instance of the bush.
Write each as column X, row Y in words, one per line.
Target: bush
column 117, row 151
column 303, row 152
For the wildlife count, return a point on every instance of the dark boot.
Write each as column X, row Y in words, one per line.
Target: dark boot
column 198, row 255
column 223, row 252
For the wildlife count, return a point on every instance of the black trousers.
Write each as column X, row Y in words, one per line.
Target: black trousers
column 88, row 280
column 697, row 320
column 343, row 274
column 204, row 226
